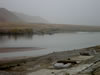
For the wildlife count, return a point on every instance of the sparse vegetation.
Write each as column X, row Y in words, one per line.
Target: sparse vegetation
column 12, row 28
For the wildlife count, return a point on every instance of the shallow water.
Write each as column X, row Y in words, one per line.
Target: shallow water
column 55, row 42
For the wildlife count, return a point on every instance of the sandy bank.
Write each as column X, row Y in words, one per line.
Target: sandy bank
column 35, row 65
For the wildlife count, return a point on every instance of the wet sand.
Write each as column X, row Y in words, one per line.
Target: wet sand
column 17, row 49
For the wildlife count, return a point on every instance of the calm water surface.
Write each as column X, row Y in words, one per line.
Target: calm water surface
column 55, row 42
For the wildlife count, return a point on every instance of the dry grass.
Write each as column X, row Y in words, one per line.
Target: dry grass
column 44, row 28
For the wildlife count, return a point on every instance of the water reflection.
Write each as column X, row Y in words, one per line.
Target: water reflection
column 56, row 42
column 25, row 36
column 15, row 37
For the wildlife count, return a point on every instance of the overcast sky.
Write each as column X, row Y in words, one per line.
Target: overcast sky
column 84, row 12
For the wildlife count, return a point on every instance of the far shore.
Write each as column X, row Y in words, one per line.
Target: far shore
column 40, row 29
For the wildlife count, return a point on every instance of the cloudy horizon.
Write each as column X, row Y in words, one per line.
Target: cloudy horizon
column 81, row 12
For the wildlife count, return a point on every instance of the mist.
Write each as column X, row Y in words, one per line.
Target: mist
column 81, row 12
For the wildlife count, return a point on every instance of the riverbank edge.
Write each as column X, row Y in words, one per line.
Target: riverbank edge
column 45, row 59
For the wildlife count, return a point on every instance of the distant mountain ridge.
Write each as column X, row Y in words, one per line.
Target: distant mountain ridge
column 9, row 16
column 31, row 19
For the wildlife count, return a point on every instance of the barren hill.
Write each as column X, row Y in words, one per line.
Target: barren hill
column 31, row 19
column 15, row 17
column 7, row 16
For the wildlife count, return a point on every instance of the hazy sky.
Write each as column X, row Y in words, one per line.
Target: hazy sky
column 84, row 12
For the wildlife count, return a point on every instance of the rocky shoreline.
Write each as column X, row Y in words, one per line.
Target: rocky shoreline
column 35, row 65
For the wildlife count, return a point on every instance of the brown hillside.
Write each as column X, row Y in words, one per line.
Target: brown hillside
column 7, row 16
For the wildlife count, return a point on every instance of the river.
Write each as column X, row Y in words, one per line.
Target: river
column 51, row 43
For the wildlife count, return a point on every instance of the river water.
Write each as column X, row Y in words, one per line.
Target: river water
column 51, row 43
